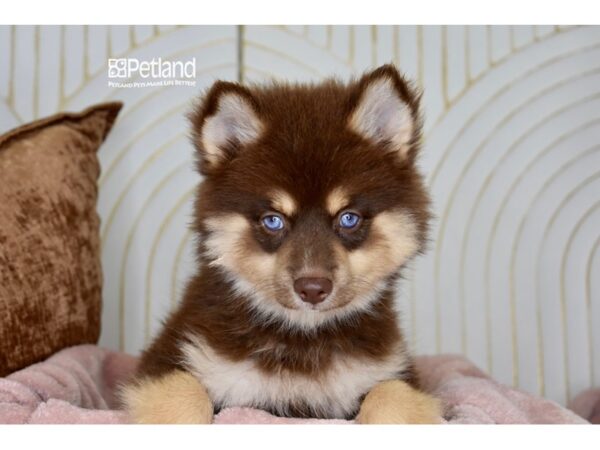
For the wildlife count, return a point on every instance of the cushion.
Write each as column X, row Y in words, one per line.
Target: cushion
column 50, row 273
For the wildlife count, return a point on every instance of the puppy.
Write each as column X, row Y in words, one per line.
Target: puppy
column 310, row 206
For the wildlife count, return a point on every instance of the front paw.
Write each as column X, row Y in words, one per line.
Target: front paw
column 174, row 398
column 396, row 402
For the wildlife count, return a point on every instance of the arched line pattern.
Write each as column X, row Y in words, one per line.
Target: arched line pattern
column 481, row 193
column 447, row 150
column 536, row 196
column 163, row 226
column 130, row 234
column 588, row 293
column 470, row 81
column 585, row 182
column 563, row 277
column 147, row 163
column 539, row 192
column 509, row 193
column 327, row 48
column 131, row 142
column 504, row 157
column 496, row 94
column 492, row 237
column 440, row 235
column 284, row 56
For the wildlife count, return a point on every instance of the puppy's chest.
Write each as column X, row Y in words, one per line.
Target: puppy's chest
column 272, row 380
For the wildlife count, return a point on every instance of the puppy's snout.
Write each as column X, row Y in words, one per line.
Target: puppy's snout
column 313, row 290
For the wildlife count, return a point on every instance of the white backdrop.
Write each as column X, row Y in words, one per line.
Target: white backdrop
column 512, row 155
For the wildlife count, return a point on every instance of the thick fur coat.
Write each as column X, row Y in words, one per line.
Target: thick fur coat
column 310, row 206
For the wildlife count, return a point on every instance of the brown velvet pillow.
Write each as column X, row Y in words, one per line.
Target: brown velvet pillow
column 50, row 273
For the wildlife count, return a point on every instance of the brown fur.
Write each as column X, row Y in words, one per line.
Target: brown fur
column 308, row 161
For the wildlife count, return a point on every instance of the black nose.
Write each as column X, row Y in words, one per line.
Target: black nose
column 313, row 290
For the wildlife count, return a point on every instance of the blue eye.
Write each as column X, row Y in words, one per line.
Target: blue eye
column 273, row 222
column 349, row 220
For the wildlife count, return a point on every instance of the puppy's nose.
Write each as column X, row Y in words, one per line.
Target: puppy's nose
column 313, row 290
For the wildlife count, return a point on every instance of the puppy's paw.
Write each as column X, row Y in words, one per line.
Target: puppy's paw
column 173, row 398
column 396, row 402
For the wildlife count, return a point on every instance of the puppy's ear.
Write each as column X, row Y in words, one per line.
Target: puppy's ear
column 223, row 123
column 385, row 111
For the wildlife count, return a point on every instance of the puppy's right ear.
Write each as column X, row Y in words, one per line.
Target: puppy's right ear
column 223, row 123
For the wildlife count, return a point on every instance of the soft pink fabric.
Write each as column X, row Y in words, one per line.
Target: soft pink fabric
column 78, row 385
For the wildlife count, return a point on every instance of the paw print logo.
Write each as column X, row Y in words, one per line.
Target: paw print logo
column 117, row 68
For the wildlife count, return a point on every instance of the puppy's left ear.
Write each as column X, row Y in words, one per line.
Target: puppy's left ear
column 386, row 112
column 225, row 121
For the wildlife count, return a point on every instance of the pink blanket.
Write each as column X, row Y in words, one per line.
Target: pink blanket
column 78, row 384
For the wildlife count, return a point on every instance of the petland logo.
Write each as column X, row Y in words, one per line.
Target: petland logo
column 134, row 73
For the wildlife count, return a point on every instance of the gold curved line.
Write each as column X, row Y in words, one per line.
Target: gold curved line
column 440, row 233
column 351, row 46
column 539, row 322
column 186, row 236
column 177, row 108
column 248, row 69
column 588, row 294
column 494, row 230
column 595, row 207
column 396, row 45
column 147, row 162
column 538, row 193
column 166, row 221
column 124, row 259
column 444, row 51
column 470, row 81
column 36, row 71
column 62, row 69
column 283, row 56
column 240, row 53
column 468, row 74
column 131, row 36
column 476, row 153
column 11, row 77
column 172, row 111
column 434, row 174
column 11, row 71
column 326, row 48
column 374, row 42
column 488, row 47
column 86, row 56
column 420, row 56
column 478, row 199
column 109, row 47
column 571, row 194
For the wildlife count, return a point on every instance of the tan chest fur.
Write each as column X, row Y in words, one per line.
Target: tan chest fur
column 335, row 392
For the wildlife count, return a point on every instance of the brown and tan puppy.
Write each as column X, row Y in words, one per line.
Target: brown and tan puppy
column 311, row 205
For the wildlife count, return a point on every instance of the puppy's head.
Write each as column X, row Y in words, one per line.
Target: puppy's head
column 311, row 202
